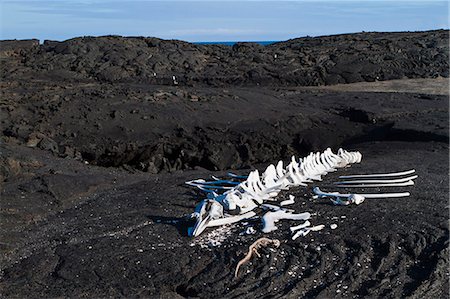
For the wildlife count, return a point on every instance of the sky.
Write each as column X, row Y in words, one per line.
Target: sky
column 197, row 21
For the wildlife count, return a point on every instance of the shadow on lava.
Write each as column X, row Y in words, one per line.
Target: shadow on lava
column 180, row 223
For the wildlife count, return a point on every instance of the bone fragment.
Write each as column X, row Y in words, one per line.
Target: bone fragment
column 270, row 218
column 303, row 225
column 289, row 201
column 304, row 231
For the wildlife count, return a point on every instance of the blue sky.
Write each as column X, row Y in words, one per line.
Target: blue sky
column 215, row 20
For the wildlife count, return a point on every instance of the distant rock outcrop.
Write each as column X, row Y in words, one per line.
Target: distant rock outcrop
column 304, row 61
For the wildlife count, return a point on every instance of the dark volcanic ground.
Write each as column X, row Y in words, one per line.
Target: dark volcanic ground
column 92, row 167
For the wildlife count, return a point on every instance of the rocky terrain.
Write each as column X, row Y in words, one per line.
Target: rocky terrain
column 304, row 61
column 100, row 134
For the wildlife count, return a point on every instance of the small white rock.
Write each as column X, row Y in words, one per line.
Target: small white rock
column 250, row 230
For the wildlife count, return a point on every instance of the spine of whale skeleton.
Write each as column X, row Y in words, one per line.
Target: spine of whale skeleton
column 239, row 199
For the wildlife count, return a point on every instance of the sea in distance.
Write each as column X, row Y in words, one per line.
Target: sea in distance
column 264, row 43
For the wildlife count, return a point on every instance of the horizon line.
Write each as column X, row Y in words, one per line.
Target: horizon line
column 41, row 41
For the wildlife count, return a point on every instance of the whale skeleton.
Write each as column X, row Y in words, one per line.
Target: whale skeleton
column 239, row 199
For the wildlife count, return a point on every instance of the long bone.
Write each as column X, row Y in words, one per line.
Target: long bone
column 408, row 183
column 300, row 226
column 321, row 194
column 402, row 180
column 216, row 181
column 375, row 175
column 212, row 187
column 232, row 175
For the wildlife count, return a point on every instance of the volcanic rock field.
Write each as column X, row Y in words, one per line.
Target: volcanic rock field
column 99, row 135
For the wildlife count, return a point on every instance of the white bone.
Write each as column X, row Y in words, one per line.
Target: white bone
column 280, row 169
column 377, row 175
column 303, row 225
column 345, row 201
column 317, row 228
column 232, row 175
column 402, row 180
column 270, row 218
column 270, row 207
column 304, row 231
column 289, row 201
column 317, row 191
column 204, row 217
column 408, row 183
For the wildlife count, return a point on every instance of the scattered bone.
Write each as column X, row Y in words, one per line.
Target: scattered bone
column 377, row 175
column 270, row 218
column 305, row 224
column 290, row 201
column 253, row 249
column 317, row 228
column 250, row 230
column 301, row 233
column 304, row 231
column 333, row 226
column 352, row 199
